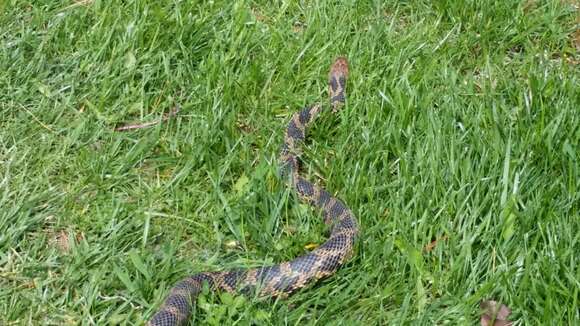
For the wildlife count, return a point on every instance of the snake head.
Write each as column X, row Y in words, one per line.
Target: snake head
column 337, row 83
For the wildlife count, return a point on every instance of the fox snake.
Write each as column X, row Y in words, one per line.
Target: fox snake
column 286, row 277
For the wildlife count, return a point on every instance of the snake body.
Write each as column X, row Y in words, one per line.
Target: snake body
column 286, row 277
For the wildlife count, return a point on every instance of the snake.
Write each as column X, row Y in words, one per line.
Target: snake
column 284, row 278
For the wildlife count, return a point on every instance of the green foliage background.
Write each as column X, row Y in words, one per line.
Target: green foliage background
column 462, row 126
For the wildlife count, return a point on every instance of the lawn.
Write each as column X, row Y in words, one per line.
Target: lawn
column 458, row 151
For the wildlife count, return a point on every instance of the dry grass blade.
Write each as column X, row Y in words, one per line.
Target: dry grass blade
column 64, row 240
column 149, row 124
column 494, row 314
column 431, row 245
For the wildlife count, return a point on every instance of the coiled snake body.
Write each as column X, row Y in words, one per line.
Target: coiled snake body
column 284, row 278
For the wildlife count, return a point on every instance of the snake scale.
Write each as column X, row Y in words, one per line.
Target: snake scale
column 286, row 277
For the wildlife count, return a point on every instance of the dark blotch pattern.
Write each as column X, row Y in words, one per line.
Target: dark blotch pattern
column 304, row 188
column 336, row 242
column 266, row 274
column 342, row 82
column 231, row 278
column 289, row 165
column 164, row 317
column 323, row 198
column 304, row 263
column 333, row 84
column 304, row 116
column 295, row 132
column 330, row 263
column 337, row 98
column 347, row 223
column 178, row 301
column 203, row 277
column 188, row 286
column 337, row 209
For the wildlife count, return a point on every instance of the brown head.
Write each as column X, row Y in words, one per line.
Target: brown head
column 337, row 82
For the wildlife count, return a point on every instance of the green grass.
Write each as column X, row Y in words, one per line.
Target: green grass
column 462, row 122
